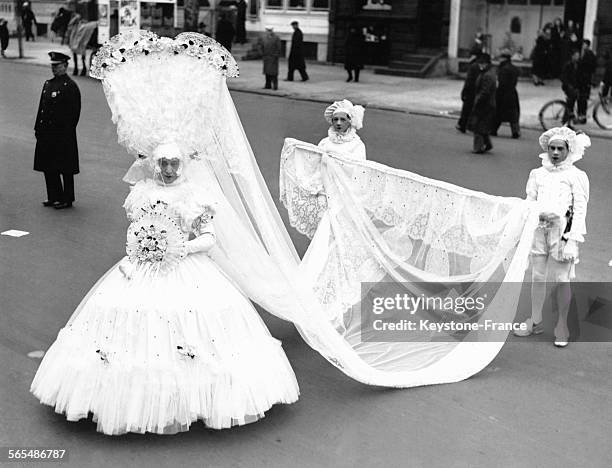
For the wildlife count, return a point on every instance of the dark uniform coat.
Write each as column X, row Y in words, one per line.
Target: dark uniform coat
column 482, row 117
column 270, row 47
column 508, row 108
column 55, row 128
column 296, row 55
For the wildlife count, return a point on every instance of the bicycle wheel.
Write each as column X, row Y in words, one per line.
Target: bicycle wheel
column 602, row 114
column 552, row 114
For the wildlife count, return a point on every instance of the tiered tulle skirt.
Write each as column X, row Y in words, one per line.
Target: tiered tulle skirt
column 156, row 354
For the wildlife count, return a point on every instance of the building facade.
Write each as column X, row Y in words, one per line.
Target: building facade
column 520, row 21
column 392, row 28
column 312, row 16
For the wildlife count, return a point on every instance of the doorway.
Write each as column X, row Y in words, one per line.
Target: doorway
column 430, row 23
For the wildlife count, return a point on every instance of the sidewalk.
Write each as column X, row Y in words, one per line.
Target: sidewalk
column 432, row 96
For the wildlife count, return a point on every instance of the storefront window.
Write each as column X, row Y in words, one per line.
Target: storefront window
column 297, row 4
column 320, row 4
column 274, row 3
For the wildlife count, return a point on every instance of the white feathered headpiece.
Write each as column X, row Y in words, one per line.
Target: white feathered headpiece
column 163, row 90
column 355, row 113
column 576, row 142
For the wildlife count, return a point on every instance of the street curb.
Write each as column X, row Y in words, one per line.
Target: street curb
column 603, row 134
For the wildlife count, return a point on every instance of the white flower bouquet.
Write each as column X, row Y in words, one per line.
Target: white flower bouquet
column 155, row 240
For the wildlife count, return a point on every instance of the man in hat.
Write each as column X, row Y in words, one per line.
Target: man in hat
column 28, row 19
column 270, row 48
column 467, row 94
column 57, row 154
column 507, row 100
column 482, row 117
column 296, row 55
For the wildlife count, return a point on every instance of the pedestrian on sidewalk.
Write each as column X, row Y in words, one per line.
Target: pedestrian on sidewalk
column 28, row 19
column 4, row 36
column 507, row 99
column 586, row 68
column 270, row 49
column 240, row 22
column 296, row 55
column 60, row 23
column 57, row 154
column 225, row 32
column 482, row 117
column 561, row 191
column 467, row 94
column 539, row 59
column 353, row 53
column 569, row 85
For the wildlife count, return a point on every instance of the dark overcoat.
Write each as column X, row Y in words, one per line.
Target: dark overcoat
column 354, row 48
column 270, row 47
column 482, row 117
column 225, row 33
column 296, row 54
column 55, row 129
column 508, row 107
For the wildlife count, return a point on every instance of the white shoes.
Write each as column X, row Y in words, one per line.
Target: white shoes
column 561, row 343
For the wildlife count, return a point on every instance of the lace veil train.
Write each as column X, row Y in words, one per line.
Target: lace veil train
column 160, row 89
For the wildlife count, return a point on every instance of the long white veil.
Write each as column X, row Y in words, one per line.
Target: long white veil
column 160, row 89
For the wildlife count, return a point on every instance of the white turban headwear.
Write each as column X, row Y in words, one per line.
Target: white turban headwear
column 354, row 113
column 576, row 142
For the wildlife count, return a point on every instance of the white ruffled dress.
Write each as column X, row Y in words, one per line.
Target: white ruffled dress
column 154, row 354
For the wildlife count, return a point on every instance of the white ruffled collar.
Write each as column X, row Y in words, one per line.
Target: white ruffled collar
column 551, row 167
column 336, row 137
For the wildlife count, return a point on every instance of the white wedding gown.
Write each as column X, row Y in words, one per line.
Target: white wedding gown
column 156, row 353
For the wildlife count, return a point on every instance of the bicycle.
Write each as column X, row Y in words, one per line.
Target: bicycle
column 553, row 113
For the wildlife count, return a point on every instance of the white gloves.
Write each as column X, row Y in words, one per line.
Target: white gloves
column 202, row 243
column 570, row 251
column 127, row 268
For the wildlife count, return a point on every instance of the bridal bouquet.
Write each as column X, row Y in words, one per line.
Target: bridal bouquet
column 155, row 239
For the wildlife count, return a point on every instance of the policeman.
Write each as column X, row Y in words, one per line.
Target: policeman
column 57, row 154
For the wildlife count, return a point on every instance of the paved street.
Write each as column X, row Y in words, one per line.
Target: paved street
column 534, row 405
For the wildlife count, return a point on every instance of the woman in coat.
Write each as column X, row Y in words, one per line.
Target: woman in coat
column 353, row 53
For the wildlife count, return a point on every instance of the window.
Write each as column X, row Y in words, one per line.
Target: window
column 320, row 4
column 518, row 2
column 515, row 25
column 274, row 3
column 297, row 4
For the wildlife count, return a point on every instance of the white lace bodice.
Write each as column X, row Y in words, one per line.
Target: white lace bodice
column 186, row 202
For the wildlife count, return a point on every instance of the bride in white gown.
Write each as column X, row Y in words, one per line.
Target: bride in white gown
column 164, row 340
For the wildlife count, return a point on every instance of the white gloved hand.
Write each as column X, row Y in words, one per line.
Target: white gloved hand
column 127, row 268
column 570, row 251
column 202, row 243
